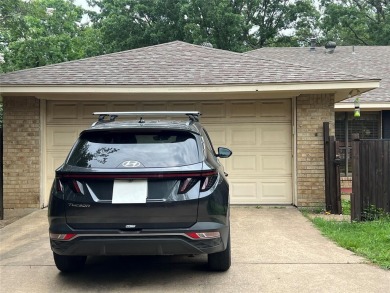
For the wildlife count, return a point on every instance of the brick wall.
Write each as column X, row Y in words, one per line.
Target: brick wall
column 21, row 156
column 312, row 111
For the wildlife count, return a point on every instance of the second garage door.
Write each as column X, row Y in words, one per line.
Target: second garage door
column 257, row 131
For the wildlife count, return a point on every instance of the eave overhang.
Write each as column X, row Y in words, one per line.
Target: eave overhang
column 341, row 107
column 341, row 89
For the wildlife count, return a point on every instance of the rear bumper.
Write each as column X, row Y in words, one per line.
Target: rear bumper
column 138, row 246
column 167, row 242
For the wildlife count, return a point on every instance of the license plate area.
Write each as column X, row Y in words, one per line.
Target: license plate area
column 129, row 191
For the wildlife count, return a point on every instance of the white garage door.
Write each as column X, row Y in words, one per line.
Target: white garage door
column 258, row 132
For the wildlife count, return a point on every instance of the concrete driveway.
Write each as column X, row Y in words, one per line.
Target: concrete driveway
column 273, row 250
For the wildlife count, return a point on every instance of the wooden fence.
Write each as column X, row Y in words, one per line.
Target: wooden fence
column 370, row 176
column 332, row 172
column 1, row 175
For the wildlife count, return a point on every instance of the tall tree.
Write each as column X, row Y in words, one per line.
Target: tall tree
column 357, row 22
column 44, row 32
column 276, row 22
column 236, row 25
column 219, row 22
column 12, row 22
column 127, row 24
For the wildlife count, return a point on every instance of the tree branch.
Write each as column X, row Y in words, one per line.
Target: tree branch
column 356, row 35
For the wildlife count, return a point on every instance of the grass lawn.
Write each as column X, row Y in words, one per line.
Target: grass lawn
column 369, row 239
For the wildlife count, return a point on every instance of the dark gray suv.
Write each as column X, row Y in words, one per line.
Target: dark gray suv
column 142, row 187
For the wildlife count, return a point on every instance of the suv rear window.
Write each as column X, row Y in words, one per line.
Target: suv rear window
column 110, row 149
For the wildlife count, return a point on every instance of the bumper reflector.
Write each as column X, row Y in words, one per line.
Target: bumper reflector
column 64, row 237
column 203, row 235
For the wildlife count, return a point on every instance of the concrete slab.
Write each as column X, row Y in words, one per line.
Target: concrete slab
column 273, row 250
column 12, row 215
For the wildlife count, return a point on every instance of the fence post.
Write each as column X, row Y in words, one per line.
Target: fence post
column 1, row 176
column 337, row 176
column 356, row 214
column 327, row 164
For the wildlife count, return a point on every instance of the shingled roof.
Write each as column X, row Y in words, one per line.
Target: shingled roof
column 176, row 63
column 373, row 61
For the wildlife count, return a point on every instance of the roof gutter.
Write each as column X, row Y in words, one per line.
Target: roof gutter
column 340, row 88
column 349, row 106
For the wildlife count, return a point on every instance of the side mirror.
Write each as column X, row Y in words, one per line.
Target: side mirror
column 224, row 152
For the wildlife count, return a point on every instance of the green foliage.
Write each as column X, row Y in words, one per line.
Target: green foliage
column 12, row 22
column 368, row 239
column 270, row 18
column 346, row 206
column 43, row 32
column 357, row 22
column 231, row 25
column 217, row 22
column 372, row 213
column 128, row 24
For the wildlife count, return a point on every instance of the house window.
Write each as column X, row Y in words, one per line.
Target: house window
column 368, row 127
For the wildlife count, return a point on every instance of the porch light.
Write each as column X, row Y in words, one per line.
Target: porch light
column 356, row 112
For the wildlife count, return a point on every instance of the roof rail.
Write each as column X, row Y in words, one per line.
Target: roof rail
column 192, row 115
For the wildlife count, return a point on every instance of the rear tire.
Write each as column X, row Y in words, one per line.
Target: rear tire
column 220, row 261
column 69, row 263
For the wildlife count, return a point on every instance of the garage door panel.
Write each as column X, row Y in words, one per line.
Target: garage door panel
column 213, row 110
column 275, row 110
column 55, row 160
column 217, row 135
column 257, row 131
column 88, row 108
column 243, row 109
column 276, row 164
column 61, row 137
column 276, row 135
column 181, row 106
column 124, row 107
column 57, row 111
column 243, row 191
column 154, row 107
column 243, row 136
column 259, row 164
column 265, row 191
column 276, row 191
column 243, row 163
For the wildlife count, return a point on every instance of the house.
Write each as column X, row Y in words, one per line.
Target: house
column 373, row 61
column 269, row 112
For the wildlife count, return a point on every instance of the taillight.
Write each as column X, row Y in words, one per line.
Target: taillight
column 209, row 182
column 63, row 237
column 77, row 187
column 187, row 179
column 59, row 186
column 187, row 184
column 203, row 235
column 207, row 179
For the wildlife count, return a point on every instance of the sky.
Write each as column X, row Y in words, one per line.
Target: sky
column 82, row 3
